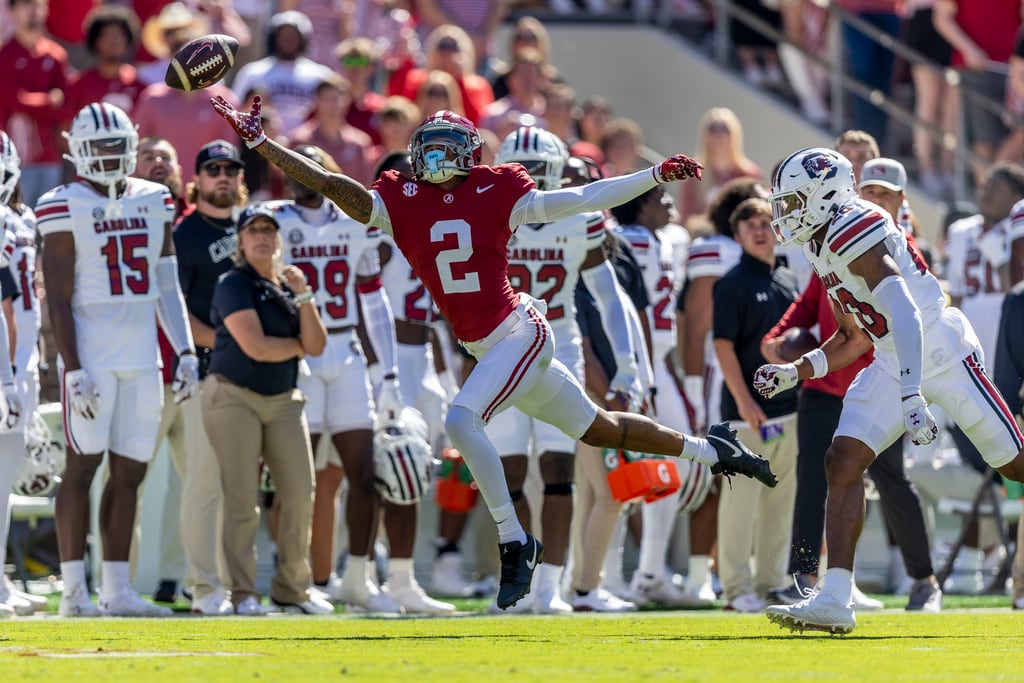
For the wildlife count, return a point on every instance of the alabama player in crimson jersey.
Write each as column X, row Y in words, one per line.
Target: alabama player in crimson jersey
column 453, row 222
column 884, row 296
column 109, row 266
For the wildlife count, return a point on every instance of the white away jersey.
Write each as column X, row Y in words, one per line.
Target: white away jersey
column 973, row 259
column 857, row 227
column 1017, row 221
column 712, row 256
column 332, row 250
column 409, row 297
column 27, row 313
column 544, row 260
column 116, row 252
column 657, row 258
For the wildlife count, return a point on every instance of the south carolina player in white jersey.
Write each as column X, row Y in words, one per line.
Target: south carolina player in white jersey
column 546, row 260
column 338, row 255
column 453, row 221
column 109, row 266
column 884, row 296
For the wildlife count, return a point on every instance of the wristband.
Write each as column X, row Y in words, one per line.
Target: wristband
column 305, row 297
column 257, row 142
column 818, row 361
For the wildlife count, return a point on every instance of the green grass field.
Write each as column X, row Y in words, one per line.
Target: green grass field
column 984, row 644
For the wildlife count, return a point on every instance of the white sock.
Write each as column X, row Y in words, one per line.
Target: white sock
column 659, row 518
column 509, row 528
column 400, row 571
column 550, row 575
column 698, row 571
column 838, row 583
column 355, row 569
column 115, row 577
column 699, row 450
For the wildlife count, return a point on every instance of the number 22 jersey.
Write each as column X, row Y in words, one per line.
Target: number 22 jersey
column 113, row 303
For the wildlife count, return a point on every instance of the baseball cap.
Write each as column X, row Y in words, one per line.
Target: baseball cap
column 888, row 173
column 254, row 211
column 218, row 150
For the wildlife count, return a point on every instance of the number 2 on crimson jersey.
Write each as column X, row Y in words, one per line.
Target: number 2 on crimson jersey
column 469, row 282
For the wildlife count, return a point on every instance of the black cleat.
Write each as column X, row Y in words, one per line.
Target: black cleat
column 518, row 560
column 166, row 591
column 736, row 458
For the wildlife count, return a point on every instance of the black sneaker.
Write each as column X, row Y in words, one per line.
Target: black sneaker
column 735, row 458
column 518, row 560
column 166, row 591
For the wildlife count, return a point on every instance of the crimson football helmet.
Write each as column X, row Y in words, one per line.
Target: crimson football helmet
column 102, row 143
column 445, row 145
column 541, row 152
column 808, row 188
column 10, row 168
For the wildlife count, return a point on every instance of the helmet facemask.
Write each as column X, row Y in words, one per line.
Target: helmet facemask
column 809, row 187
column 442, row 150
column 103, row 145
column 541, row 153
column 10, row 168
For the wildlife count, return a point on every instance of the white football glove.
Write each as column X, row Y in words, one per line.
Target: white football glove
column 918, row 420
column 12, row 413
column 772, row 379
column 81, row 394
column 622, row 384
column 186, row 377
column 389, row 400
column 693, row 386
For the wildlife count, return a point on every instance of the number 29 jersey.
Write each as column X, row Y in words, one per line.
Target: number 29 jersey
column 113, row 303
column 856, row 228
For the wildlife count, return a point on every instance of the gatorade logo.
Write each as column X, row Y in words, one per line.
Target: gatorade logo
column 663, row 473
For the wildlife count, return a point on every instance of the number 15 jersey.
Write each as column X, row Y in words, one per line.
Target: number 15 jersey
column 113, row 303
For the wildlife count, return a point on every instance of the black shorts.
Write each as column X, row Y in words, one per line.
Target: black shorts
column 920, row 35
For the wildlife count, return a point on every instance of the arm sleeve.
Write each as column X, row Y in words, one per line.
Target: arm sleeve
column 600, row 280
column 380, row 327
column 544, row 207
column 379, row 216
column 170, row 306
column 894, row 298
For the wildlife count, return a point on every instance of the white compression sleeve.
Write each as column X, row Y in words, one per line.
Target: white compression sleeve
column 170, row 306
column 544, row 207
column 601, row 282
column 907, row 333
column 380, row 327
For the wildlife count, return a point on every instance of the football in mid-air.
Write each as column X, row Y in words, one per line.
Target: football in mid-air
column 201, row 62
column 796, row 342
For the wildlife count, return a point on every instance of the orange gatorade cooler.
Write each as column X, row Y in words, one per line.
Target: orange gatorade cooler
column 633, row 477
column 455, row 489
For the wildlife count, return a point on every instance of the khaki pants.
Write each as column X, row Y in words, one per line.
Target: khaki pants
column 754, row 519
column 244, row 426
column 594, row 518
column 201, row 499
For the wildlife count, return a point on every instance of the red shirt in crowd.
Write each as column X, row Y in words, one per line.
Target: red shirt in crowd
column 66, row 17
column 362, row 112
column 186, row 120
column 26, row 113
column 476, row 92
column 90, row 86
column 992, row 25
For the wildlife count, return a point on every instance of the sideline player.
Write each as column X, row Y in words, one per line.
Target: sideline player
column 109, row 266
column 454, row 222
column 884, row 296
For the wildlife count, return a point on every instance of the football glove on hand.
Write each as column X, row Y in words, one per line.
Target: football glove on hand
column 248, row 126
column 622, row 384
column 677, row 167
column 918, row 420
column 186, row 377
column 12, row 413
column 771, row 379
column 81, row 393
column 389, row 400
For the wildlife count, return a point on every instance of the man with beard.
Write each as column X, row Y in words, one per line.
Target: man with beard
column 205, row 242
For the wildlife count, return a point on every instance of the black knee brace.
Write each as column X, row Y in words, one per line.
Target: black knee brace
column 516, row 495
column 563, row 489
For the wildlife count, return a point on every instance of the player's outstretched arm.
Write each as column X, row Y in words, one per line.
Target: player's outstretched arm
column 349, row 194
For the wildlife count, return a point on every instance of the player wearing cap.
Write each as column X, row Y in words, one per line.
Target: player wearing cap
column 109, row 265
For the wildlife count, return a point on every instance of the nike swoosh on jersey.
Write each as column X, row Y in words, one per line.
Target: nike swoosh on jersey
column 481, row 190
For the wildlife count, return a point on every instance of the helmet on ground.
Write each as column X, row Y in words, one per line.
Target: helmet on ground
column 402, row 458
column 10, row 168
column 542, row 153
column 43, row 463
column 808, row 188
column 102, row 143
column 442, row 135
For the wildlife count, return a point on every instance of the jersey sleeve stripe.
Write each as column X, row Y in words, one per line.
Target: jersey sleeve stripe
column 877, row 229
column 52, row 209
column 855, row 227
column 706, row 257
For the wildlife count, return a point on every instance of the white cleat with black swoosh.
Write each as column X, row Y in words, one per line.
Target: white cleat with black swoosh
column 736, row 458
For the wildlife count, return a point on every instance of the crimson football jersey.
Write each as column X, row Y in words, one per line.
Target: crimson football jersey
column 457, row 241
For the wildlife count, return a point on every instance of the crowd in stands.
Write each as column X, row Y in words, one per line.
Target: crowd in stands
column 347, row 82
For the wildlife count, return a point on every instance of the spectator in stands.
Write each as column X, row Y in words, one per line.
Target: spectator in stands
column 327, row 23
column 526, row 83
column 359, row 62
column 1013, row 147
column 479, row 20
column 594, row 115
column 720, row 149
column 163, row 34
column 982, row 35
column 398, row 119
column 32, row 99
column 450, row 49
column 560, row 111
column 751, row 43
column 289, row 78
column 65, row 23
column 350, row 147
column 936, row 102
column 804, row 27
column 111, row 36
column 265, row 322
column 621, row 143
column 439, row 91
column 527, row 33
column 859, row 147
column 748, row 300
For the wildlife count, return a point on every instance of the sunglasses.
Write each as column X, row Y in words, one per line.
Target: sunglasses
column 356, row 60
column 718, row 127
column 448, row 46
column 230, row 170
column 525, row 37
column 436, row 92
